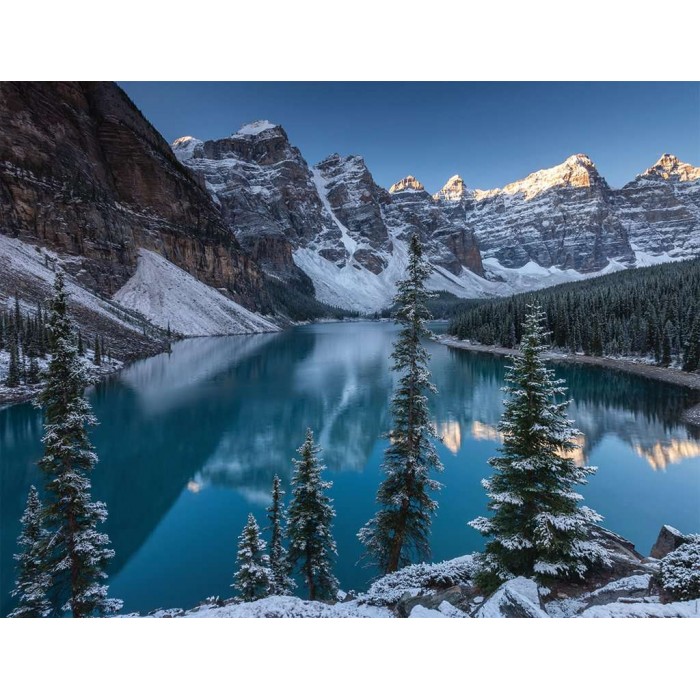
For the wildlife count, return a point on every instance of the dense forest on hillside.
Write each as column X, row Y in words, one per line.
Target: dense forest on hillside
column 648, row 312
column 26, row 339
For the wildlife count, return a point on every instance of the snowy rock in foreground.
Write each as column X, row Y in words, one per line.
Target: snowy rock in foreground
column 689, row 608
column 167, row 295
column 286, row 606
column 516, row 598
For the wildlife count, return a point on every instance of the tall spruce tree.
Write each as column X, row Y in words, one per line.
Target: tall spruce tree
column 401, row 527
column 33, row 581
column 13, row 372
column 252, row 579
column 538, row 526
column 280, row 581
column 75, row 552
column 309, row 518
column 691, row 354
column 97, row 355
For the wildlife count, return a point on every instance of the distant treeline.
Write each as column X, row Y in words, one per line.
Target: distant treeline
column 26, row 337
column 647, row 312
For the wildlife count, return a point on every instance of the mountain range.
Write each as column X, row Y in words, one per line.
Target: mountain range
column 203, row 235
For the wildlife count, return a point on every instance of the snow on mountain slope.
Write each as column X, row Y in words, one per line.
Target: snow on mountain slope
column 27, row 272
column 165, row 294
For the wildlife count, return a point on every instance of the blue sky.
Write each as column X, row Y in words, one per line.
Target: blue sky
column 490, row 133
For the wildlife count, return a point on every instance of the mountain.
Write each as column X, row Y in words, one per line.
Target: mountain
column 85, row 179
column 332, row 231
column 88, row 182
column 560, row 217
column 661, row 209
column 328, row 229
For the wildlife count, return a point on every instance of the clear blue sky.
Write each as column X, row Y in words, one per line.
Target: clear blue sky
column 490, row 133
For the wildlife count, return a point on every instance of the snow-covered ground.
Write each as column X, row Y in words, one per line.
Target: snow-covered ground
column 166, row 294
column 23, row 265
column 445, row 590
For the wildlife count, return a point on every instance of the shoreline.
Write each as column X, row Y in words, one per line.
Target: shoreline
column 668, row 375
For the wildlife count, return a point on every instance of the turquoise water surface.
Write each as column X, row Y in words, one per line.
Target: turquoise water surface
column 189, row 443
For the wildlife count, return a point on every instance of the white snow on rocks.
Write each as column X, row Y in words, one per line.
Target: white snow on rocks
column 22, row 265
column 288, row 606
column 519, row 595
column 184, row 147
column 688, row 608
column 255, row 128
column 166, row 294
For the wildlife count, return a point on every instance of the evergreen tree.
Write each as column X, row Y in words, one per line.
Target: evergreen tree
column 401, row 527
column 13, row 372
column 97, row 355
column 81, row 347
column 691, row 355
column 309, row 518
column 538, row 526
column 32, row 579
column 280, row 582
column 76, row 553
column 252, row 579
column 33, row 373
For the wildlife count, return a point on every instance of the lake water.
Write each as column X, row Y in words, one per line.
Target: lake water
column 189, row 443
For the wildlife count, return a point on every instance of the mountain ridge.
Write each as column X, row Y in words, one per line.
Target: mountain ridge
column 344, row 233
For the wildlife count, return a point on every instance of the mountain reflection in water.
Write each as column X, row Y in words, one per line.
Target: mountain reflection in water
column 189, row 443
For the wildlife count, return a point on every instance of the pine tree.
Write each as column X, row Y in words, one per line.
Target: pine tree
column 81, row 347
column 252, row 579
column 76, row 553
column 401, row 527
column 97, row 355
column 13, row 373
column 280, row 582
column 33, row 581
column 691, row 355
column 309, row 518
column 538, row 526
column 33, row 375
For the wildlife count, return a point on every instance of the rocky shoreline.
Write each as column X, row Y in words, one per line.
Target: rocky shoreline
column 629, row 587
column 669, row 375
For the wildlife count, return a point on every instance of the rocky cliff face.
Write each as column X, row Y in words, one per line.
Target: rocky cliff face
column 267, row 196
column 344, row 236
column 83, row 173
column 330, row 224
column 661, row 209
column 561, row 216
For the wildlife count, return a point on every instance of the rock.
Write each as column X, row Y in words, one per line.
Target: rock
column 83, row 173
column 420, row 611
column 630, row 587
column 518, row 597
column 669, row 539
column 561, row 216
column 659, row 208
column 456, row 596
column 407, row 183
column 454, row 190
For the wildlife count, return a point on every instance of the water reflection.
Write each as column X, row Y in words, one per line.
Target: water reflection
column 189, row 442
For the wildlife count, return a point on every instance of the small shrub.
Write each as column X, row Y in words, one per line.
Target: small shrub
column 680, row 571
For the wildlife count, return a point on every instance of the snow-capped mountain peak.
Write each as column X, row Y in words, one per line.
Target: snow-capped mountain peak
column 454, row 190
column 255, row 128
column 576, row 171
column 668, row 166
column 407, row 183
column 184, row 147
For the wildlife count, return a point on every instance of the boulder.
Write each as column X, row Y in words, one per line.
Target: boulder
column 669, row 540
column 456, row 596
column 518, row 597
column 630, row 587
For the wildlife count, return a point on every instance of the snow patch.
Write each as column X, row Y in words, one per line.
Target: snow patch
column 255, row 128
column 166, row 294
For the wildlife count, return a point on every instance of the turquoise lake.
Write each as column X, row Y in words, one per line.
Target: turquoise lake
column 189, row 442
